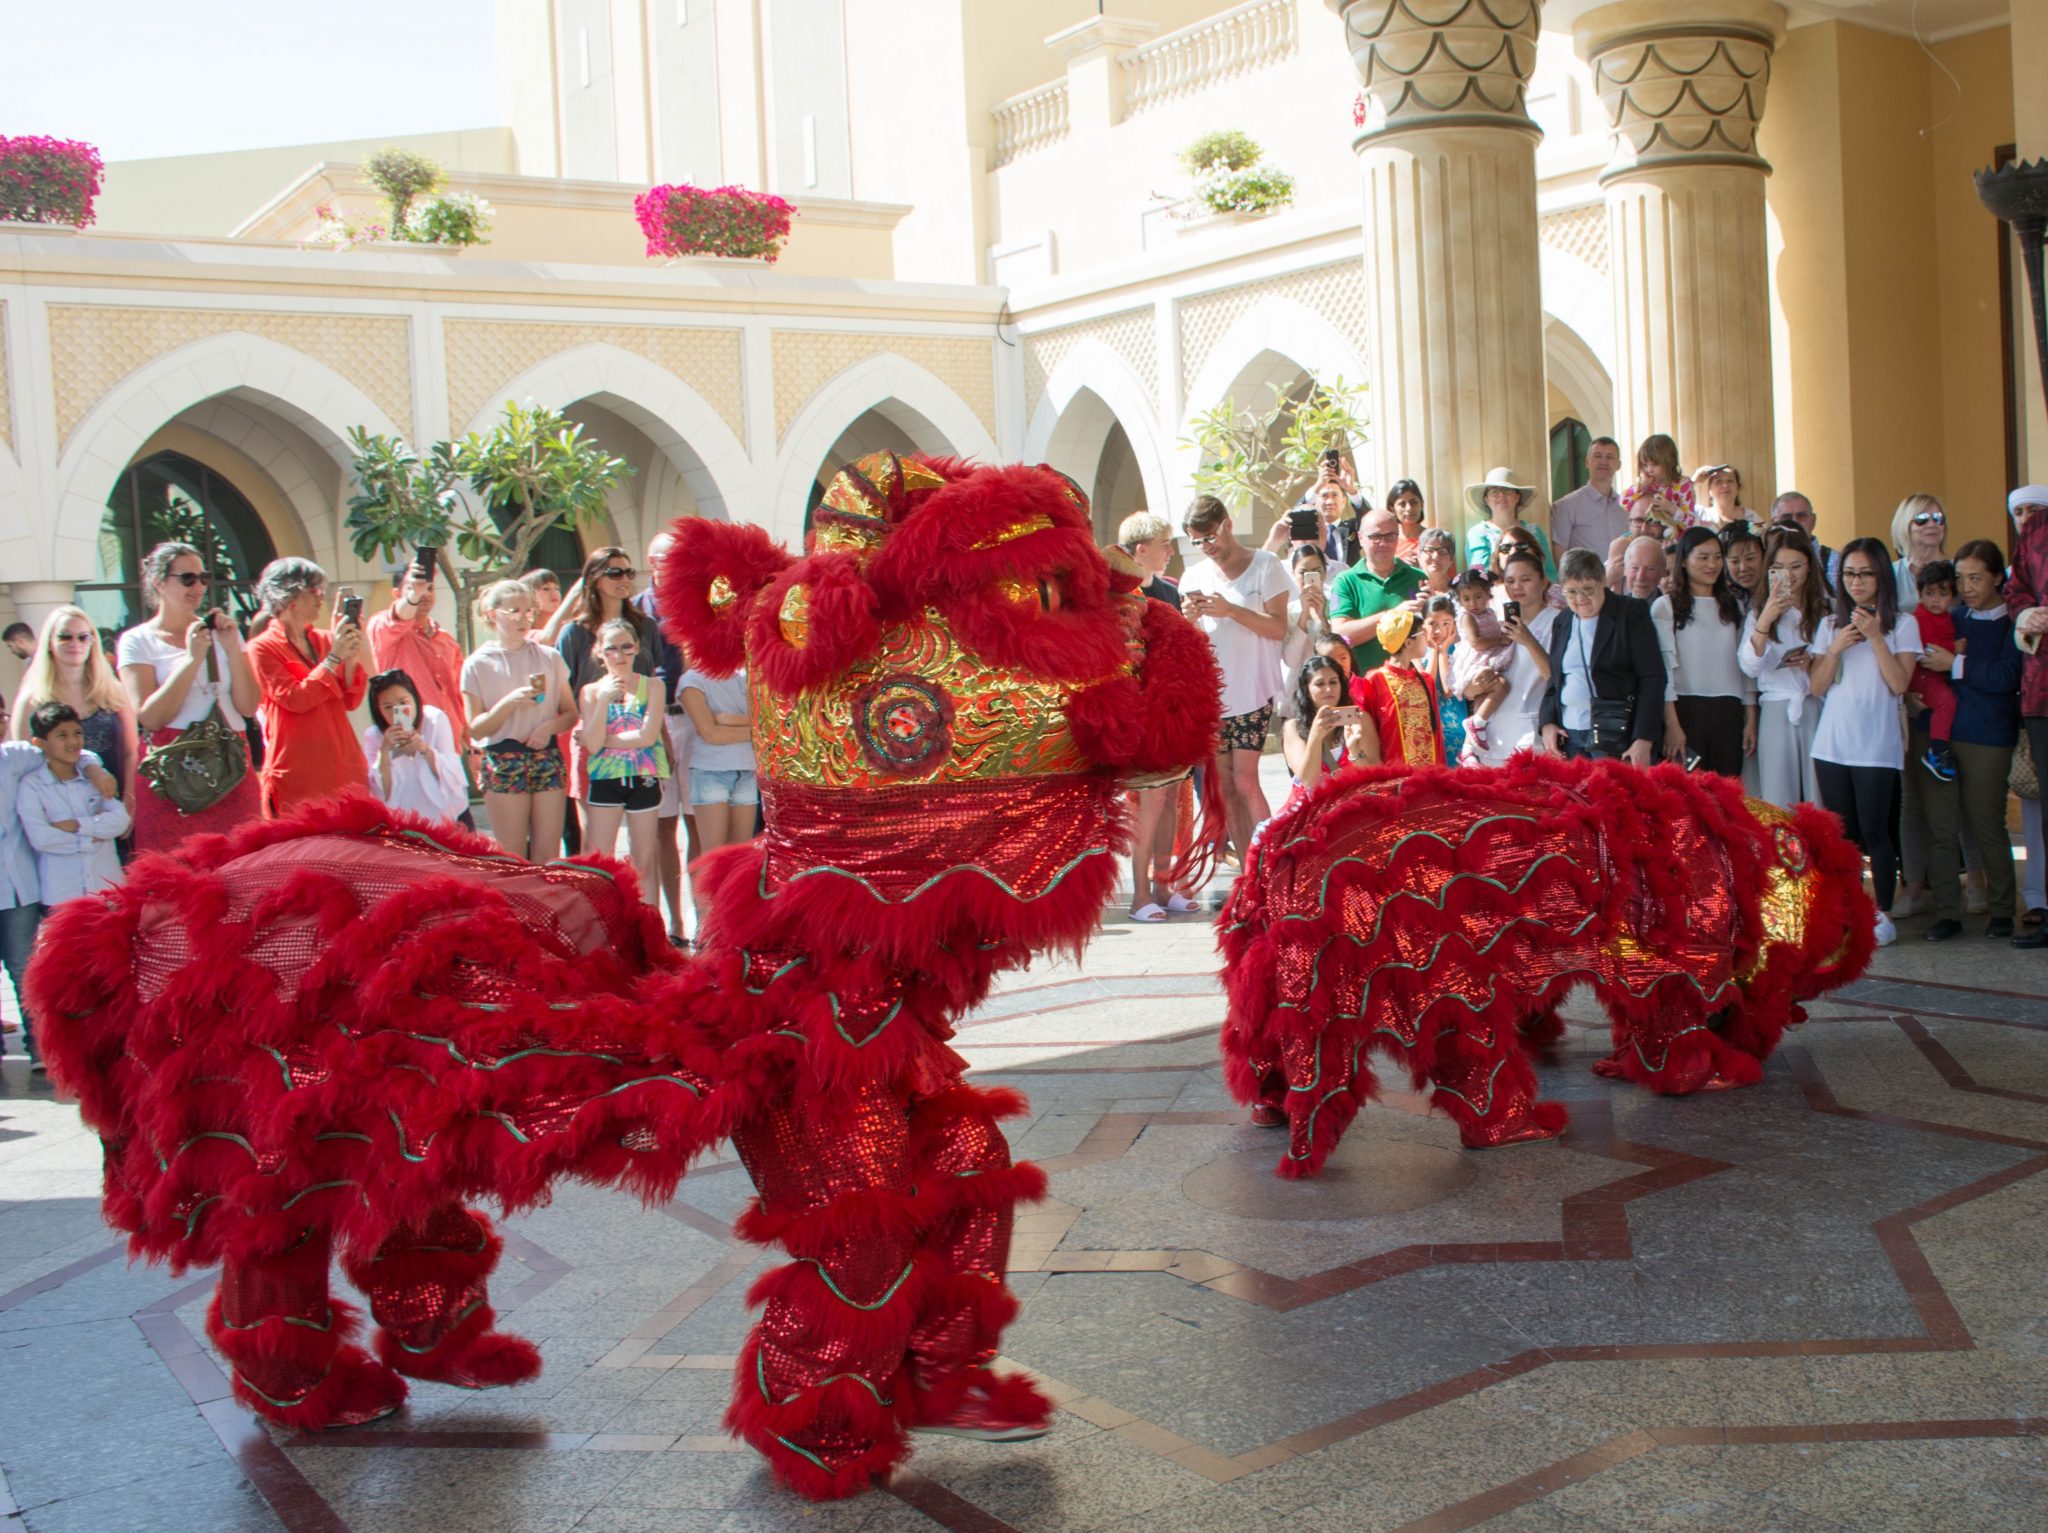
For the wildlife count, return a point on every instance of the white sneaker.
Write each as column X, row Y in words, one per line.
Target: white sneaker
column 1907, row 905
column 1887, row 933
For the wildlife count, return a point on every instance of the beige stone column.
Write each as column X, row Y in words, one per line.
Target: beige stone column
column 1448, row 158
column 1683, row 88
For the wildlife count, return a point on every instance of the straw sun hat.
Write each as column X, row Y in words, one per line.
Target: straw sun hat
column 1497, row 479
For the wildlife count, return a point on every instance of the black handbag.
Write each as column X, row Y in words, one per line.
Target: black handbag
column 205, row 763
column 1614, row 723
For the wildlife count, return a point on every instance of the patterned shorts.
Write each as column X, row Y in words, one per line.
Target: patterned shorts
column 538, row 771
column 1247, row 731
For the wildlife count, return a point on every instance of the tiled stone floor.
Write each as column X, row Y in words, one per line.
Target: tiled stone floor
column 1820, row 1304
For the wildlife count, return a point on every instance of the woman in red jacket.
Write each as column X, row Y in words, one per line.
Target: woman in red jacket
column 310, row 681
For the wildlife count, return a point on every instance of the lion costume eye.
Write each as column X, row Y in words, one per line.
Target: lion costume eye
column 1043, row 592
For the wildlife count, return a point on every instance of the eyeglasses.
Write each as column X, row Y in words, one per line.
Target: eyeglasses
column 74, row 638
column 1849, row 574
column 615, row 573
column 1923, row 518
column 190, row 578
column 1204, row 539
column 1381, row 537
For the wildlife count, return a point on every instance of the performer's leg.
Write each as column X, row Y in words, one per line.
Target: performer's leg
column 1667, row 1042
column 290, row 1344
column 962, row 1156
column 428, row 1295
column 1484, row 1081
column 820, row 1388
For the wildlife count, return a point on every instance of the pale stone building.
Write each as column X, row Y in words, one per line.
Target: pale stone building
column 1747, row 223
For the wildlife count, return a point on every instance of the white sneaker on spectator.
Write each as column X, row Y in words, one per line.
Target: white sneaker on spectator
column 1906, row 905
column 1887, row 933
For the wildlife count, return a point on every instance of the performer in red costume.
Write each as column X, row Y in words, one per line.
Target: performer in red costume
column 332, row 1033
column 1441, row 917
column 1401, row 726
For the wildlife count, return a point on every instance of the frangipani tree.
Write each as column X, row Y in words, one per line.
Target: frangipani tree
column 530, row 473
column 1261, row 460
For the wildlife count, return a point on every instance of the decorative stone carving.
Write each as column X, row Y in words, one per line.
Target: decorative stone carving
column 1580, row 233
column 805, row 360
column 485, row 355
column 94, row 346
column 1128, row 334
column 1689, row 99
column 1443, row 63
column 1335, row 292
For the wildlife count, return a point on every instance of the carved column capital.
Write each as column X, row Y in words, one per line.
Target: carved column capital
column 1682, row 91
column 1442, row 63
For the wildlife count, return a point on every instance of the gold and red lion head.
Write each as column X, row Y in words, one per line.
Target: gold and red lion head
column 950, row 689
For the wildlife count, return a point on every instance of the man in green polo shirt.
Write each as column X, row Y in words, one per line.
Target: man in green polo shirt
column 1377, row 583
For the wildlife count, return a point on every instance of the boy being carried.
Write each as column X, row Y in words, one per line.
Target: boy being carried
column 69, row 822
column 1936, row 617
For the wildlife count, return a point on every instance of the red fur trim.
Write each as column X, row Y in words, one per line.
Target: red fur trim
column 842, row 626
column 1166, row 718
column 702, row 552
column 471, row 1356
column 353, row 1387
column 1011, row 1398
column 777, row 1430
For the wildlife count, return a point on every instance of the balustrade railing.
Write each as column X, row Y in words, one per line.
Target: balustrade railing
column 1030, row 121
column 1194, row 58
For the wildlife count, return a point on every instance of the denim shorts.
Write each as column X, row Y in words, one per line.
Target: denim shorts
column 711, row 786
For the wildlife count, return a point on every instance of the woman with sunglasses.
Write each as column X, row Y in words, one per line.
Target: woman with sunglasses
column 1920, row 536
column 603, row 593
column 69, row 667
column 178, row 667
column 1864, row 653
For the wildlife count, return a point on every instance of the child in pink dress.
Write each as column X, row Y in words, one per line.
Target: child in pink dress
column 1480, row 659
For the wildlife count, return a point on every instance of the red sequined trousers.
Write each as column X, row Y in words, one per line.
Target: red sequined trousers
column 897, row 1214
column 292, row 1345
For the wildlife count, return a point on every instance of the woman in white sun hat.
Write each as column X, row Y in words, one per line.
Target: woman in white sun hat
column 1499, row 500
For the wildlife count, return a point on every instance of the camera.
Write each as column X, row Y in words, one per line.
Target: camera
column 1305, row 525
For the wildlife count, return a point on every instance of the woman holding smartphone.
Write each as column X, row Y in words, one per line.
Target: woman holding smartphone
column 1864, row 654
column 518, row 696
column 1775, row 652
column 1318, row 713
column 1527, row 619
column 311, row 680
column 622, row 738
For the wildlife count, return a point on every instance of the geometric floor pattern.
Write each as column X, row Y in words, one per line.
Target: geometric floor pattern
column 1817, row 1304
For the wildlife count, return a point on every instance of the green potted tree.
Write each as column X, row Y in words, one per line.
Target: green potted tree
column 1261, row 460
column 530, row 473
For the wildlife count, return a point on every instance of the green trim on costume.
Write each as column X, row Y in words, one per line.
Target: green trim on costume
column 761, row 1379
column 901, row 1278
column 761, row 882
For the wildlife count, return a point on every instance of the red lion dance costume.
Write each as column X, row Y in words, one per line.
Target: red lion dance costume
column 326, row 1036
column 1440, row 917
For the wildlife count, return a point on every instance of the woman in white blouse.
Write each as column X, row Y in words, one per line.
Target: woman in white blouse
column 1776, row 650
column 1863, row 659
column 410, row 749
column 1709, row 701
column 1513, row 726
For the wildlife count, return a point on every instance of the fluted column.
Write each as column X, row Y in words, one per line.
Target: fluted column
column 1683, row 89
column 1448, row 158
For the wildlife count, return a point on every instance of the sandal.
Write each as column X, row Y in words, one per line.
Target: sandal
column 2034, row 917
column 1181, row 905
column 1148, row 913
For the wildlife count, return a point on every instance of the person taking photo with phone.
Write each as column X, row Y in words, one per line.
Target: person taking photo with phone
column 1777, row 652
column 311, row 679
column 519, row 699
column 411, row 752
column 185, row 664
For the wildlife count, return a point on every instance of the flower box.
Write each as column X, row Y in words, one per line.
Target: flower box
column 49, row 181
column 726, row 222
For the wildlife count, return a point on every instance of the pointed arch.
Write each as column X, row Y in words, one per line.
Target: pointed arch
column 675, row 417
column 305, row 392
column 1275, row 338
column 935, row 418
column 1092, row 391
column 1576, row 371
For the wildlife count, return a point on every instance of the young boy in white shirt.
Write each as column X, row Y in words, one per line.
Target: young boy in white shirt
column 69, row 822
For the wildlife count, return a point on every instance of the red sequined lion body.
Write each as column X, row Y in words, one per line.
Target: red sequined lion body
column 325, row 1037
column 1439, row 918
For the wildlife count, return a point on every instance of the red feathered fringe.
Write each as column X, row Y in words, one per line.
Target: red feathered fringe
column 707, row 619
column 1437, row 906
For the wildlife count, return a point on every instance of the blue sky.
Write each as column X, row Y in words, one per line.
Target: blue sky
column 199, row 76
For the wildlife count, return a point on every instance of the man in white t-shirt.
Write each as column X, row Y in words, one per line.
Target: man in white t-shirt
column 1238, row 597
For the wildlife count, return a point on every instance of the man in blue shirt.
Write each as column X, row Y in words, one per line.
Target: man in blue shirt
column 21, row 906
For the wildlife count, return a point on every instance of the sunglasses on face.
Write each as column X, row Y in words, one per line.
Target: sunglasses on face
column 1924, row 518
column 190, row 578
column 1204, row 539
column 74, row 638
column 615, row 573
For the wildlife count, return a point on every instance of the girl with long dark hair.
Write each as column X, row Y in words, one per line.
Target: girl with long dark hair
column 1777, row 650
column 1709, row 703
column 1863, row 658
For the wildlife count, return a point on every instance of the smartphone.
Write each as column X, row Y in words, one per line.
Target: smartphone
column 1693, row 760
column 1511, row 611
column 1797, row 654
column 1350, row 713
column 1311, row 580
column 1332, row 459
column 538, row 681
column 424, row 560
column 352, row 607
column 1305, row 525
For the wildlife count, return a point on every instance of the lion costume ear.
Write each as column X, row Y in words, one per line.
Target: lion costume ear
column 711, row 575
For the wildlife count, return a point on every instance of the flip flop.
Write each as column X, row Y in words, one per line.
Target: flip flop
column 1148, row 914
column 1180, row 905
